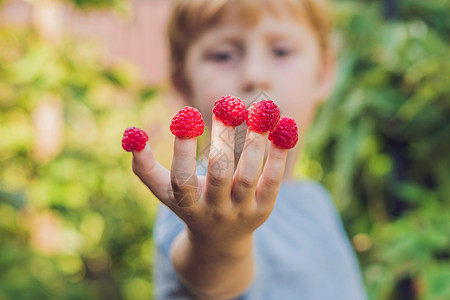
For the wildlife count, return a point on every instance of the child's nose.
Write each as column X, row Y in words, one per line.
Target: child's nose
column 255, row 72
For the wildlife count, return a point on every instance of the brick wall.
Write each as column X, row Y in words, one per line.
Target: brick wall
column 139, row 37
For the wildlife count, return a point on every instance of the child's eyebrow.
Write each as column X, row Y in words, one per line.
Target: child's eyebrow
column 281, row 35
column 231, row 39
column 227, row 34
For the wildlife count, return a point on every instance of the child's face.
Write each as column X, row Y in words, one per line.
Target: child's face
column 280, row 56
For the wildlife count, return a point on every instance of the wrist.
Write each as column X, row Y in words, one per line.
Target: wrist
column 231, row 247
column 202, row 262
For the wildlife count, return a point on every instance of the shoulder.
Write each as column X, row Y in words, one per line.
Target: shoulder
column 313, row 254
column 308, row 188
column 308, row 196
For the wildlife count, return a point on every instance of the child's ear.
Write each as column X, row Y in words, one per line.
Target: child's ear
column 327, row 76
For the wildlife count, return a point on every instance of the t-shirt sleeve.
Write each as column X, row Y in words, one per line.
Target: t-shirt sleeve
column 167, row 284
column 326, row 202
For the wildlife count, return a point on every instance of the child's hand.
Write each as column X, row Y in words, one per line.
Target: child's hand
column 221, row 208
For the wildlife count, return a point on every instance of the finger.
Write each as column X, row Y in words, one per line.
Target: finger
column 271, row 178
column 219, row 177
column 249, row 168
column 152, row 173
column 183, row 175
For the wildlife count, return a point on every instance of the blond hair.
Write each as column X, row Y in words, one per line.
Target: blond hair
column 190, row 18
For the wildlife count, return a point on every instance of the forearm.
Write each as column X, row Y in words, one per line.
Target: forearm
column 215, row 269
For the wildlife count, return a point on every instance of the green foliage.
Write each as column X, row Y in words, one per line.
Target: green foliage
column 434, row 13
column 77, row 224
column 382, row 144
column 90, row 4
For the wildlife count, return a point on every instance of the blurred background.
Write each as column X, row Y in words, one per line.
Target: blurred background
column 75, row 223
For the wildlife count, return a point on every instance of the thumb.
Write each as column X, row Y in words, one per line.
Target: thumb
column 154, row 175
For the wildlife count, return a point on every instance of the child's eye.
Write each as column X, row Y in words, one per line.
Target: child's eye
column 281, row 52
column 221, row 56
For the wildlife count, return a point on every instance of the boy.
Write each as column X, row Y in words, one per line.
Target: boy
column 214, row 235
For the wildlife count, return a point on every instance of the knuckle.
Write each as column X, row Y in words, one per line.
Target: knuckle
column 141, row 174
column 181, row 180
column 216, row 180
column 246, row 182
column 217, row 215
column 137, row 170
column 183, row 198
column 244, row 215
column 184, row 190
column 141, row 170
column 263, row 213
column 272, row 182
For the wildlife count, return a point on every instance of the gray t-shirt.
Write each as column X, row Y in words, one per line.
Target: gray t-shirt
column 302, row 251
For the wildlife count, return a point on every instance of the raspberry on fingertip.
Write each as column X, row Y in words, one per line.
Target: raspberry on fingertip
column 286, row 134
column 134, row 139
column 230, row 110
column 187, row 123
column 263, row 116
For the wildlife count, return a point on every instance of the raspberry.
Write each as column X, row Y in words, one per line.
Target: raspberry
column 263, row 116
column 134, row 139
column 286, row 134
column 230, row 110
column 187, row 123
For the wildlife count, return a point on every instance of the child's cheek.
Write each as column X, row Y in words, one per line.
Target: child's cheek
column 211, row 84
column 295, row 91
column 293, row 76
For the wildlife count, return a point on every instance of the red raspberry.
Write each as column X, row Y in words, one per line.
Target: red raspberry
column 286, row 134
column 230, row 110
column 263, row 116
column 187, row 123
column 134, row 139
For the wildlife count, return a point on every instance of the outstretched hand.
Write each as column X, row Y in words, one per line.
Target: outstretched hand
column 225, row 205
